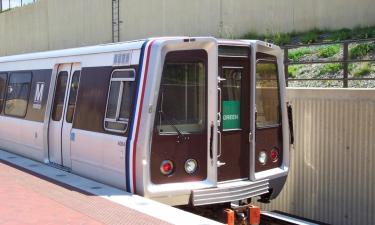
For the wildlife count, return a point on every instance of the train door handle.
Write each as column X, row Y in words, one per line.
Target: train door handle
column 219, row 144
column 220, row 164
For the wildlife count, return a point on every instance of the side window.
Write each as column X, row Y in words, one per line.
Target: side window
column 18, row 94
column 120, row 100
column 73, row 96
column 58, row 103
column 3, row 85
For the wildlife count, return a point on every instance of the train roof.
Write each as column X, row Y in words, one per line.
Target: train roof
column 116, row 47
column 96, row 49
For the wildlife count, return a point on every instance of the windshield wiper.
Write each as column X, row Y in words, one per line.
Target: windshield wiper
column 180, row 134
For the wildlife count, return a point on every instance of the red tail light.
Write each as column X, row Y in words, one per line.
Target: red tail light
column 274, row 155
column 166, row 167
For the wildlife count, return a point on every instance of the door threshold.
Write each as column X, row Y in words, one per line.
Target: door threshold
column 60, row 167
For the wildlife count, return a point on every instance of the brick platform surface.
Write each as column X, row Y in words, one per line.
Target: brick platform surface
column 27, row 199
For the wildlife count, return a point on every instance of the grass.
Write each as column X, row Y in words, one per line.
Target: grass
column 363, row 70
column 361, row 50
column 328, row 51
column 298, row 53
column 330, row 68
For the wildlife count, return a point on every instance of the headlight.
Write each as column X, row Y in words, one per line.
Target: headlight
column 191, row 166
column 262, row 157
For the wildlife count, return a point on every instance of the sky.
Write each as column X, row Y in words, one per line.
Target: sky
column 14, row 3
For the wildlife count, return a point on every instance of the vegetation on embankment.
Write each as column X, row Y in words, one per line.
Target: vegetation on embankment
column 362, row 50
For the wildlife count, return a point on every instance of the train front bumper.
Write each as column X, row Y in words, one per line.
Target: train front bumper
column 229, row 192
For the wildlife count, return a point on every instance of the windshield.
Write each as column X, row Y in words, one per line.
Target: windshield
column 182, row 98
column 267, row 94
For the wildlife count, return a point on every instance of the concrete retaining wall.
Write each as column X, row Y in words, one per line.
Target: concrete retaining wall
column 54, row 24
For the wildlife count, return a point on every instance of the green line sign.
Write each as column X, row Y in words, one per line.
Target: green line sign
column 231, row 115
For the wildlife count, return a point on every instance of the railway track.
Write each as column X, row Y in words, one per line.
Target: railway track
column 241, row 217
column 281, row 218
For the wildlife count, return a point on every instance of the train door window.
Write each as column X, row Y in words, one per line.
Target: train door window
column 58, row 103
column 120, row 100
column 267, row 94
column 3, row 84
column 231, row 98
column 73, row 96
column 18, row 94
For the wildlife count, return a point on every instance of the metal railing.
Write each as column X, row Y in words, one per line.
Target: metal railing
column 10, row 4
column 345, row 61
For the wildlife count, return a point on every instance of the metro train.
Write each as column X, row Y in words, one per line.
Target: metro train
column 181, row 120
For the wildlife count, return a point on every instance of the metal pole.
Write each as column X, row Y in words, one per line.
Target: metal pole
column 345, row 64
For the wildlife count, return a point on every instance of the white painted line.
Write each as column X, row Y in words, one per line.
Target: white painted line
column 142, row 205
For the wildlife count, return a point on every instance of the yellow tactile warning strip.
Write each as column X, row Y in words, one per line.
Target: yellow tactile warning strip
column 28, row 199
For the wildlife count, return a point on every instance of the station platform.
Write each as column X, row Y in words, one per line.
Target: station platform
column 35, row 193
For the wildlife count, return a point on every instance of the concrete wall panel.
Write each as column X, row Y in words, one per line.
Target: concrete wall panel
column 331, row 176
column 147, row 18
column 54, row 24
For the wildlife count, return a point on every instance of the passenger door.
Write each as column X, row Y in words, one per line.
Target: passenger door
column 234, row 110
column 63, row 106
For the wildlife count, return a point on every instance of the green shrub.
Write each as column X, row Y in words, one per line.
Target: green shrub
column 328, row 51
column 309, row 37
column 363, row 70
column 363, row 32
column 293, row 70
column 361, row 50
column 351, row 67
column 298, row 53
column 253, row 36
column 330, row 68
column 340, row 35
column 281, row 39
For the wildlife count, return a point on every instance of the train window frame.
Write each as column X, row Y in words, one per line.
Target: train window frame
column 118, row 120
column 28, row 94
column 272, row 61
column 3, row 92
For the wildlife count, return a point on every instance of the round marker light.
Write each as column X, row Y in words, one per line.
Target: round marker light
column 191, row 166
column 166, row 167
column 262, row 157
column 274, row 155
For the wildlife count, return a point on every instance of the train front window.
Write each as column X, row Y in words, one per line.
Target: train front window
column 267, row 94
column 182, row 98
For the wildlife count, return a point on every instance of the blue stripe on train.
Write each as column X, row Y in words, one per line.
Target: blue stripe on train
column 130, row 135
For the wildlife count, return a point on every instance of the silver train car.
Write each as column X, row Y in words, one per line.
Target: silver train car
column 179, row 120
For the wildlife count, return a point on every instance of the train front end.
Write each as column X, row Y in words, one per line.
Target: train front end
column 214, row 126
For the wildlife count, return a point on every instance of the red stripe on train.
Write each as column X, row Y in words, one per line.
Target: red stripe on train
column 139, row 115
